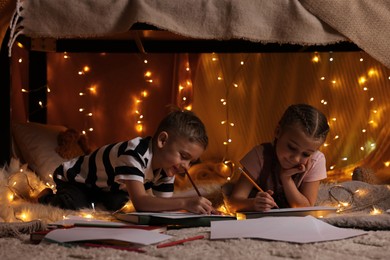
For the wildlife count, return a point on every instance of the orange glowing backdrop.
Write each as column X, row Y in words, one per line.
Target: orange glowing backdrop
column 240, row 97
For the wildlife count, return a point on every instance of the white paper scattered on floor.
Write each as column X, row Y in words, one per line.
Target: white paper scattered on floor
column 289, row 229
column 131, row 235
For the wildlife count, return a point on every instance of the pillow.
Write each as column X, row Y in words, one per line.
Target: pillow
column 37, row 143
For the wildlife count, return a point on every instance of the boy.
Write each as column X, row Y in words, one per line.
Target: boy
column 142, row 170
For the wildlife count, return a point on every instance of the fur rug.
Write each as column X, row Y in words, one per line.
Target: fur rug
column 374, row 245
column 363, row 199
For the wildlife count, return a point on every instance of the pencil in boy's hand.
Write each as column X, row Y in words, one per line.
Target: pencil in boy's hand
column 192, row 182
column 250, row 179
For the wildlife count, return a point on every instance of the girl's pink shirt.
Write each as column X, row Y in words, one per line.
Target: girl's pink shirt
column 253, row 161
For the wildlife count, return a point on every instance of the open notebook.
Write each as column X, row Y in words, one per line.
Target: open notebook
column 316, row 211
column 183, row 219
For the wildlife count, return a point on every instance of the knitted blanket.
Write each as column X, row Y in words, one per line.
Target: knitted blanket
column 306, row 22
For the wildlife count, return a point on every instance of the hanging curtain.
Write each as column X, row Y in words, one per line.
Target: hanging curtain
column 242, row 96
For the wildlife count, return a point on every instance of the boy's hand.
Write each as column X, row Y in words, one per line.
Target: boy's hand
column 199, row 205
column 264, row 201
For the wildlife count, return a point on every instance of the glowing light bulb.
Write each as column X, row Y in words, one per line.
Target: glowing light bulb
column 362, row 80
column 375, row 211
column 315, row 59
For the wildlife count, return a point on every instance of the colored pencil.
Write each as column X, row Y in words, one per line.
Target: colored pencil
column 250, row 179
column 178, row 242
column 192, row 182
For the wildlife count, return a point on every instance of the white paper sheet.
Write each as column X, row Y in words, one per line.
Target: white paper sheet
column 75, row 234
column 289, row 229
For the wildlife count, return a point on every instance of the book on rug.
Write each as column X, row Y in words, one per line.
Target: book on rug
column 316, row 211
column 76, row 221
column 180, row 219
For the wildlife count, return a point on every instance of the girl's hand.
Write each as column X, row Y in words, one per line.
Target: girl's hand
column 199, row 205
column 264, row 201
column 297, row 169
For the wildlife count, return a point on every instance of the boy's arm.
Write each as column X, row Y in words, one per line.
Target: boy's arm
column 142, row 201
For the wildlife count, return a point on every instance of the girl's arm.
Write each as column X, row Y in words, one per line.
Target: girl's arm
column 306, row 196
column 142, row 201
column 239, row 201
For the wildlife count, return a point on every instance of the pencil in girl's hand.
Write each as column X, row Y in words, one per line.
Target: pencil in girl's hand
column 192, row 182
column 250, row 179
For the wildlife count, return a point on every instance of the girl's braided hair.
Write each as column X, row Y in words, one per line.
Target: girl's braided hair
column 312, row 121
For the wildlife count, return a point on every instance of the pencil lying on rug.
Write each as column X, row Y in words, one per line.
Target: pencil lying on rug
column 178, row 242
column 192, row 182
column 250, row 179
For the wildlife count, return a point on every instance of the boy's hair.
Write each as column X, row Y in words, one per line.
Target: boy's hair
column 184, row 123
column 312, row 121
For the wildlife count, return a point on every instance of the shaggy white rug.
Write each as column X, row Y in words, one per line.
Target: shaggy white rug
column 364, row 200
column 374, row 245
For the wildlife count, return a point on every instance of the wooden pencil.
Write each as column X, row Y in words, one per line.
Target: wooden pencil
column 250, row 179
column 192, row 182
column 253, row 182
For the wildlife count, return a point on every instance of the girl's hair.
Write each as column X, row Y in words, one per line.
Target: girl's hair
column 312, row 121
column 184, row 123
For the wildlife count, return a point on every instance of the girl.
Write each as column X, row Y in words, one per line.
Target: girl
column 289, row 170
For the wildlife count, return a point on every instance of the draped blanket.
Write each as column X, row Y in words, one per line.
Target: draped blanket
column 305, row 22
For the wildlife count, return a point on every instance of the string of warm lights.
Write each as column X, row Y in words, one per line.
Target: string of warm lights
column 225, row 100
column 90, row 90
column 185, row 88
column 344, row 199
column 138, row 110
column 368, row 144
